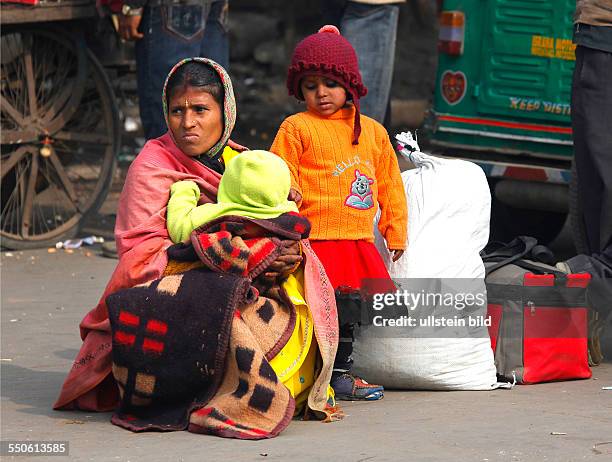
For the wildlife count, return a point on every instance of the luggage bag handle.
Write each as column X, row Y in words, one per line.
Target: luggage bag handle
column 505, row 254
column 515, row 252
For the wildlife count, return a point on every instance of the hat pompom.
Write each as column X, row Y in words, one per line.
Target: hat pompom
column 329, row 28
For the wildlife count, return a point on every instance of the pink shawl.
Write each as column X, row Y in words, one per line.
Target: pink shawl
column 142, row 240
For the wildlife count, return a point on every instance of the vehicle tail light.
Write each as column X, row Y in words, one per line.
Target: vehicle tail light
column 452, row 31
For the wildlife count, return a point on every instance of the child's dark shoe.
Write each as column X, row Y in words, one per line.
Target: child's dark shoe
column 351, row 388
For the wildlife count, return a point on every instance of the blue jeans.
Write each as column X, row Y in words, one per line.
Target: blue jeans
column 372, row 30
column 169, row 36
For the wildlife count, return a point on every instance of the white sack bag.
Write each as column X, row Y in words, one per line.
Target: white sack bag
column 448, row 224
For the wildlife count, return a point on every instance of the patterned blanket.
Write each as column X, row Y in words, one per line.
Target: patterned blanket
column 191, row 350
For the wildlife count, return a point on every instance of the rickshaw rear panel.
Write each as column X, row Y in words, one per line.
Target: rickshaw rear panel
column 508, row 89
column 502, row 100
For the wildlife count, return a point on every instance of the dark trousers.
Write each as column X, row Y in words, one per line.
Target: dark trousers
column 349, row 315
column 592, row 127
column 344, row 360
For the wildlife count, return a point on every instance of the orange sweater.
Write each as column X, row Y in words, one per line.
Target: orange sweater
column 341, row 183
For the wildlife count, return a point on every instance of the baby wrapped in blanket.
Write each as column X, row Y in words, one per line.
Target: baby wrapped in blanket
column 256, row 184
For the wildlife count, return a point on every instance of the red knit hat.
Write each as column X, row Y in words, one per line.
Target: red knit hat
column 330, row 55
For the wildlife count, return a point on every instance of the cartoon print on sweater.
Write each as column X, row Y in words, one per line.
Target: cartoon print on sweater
column 361, row 192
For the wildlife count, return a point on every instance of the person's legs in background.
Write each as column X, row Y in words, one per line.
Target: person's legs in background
column 215, row 44
column 372, row 30
column 591, row 103
column 171, row 34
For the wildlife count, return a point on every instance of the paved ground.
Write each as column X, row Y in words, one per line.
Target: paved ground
column 44, row 296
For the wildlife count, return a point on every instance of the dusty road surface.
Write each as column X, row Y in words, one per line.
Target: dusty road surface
column 45, row 295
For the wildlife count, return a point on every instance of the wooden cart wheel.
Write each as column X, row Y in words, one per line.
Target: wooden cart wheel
column 60, row 136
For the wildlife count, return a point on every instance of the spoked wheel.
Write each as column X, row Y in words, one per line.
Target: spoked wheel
column 60, row 136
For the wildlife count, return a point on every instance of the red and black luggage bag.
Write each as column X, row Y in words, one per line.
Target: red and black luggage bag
column 539, row 315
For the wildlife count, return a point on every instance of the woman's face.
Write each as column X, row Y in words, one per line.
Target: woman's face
column 195, row 120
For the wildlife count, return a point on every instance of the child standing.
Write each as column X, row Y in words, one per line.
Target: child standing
column 342, row 167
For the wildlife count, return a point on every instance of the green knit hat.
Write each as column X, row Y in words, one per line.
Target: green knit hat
column 255, row 184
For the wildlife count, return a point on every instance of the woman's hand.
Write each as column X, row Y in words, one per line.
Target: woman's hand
column 397, row 254
column 285, row 262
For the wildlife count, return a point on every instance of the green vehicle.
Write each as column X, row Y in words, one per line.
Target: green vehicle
column 502, row 100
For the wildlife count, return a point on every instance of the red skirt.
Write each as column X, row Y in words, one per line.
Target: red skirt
column 347, row 263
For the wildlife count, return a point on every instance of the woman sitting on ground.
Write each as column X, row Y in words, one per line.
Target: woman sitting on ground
column 196, row 148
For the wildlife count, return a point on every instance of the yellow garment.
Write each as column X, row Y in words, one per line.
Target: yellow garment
column 228, row 154
column 295, row 363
